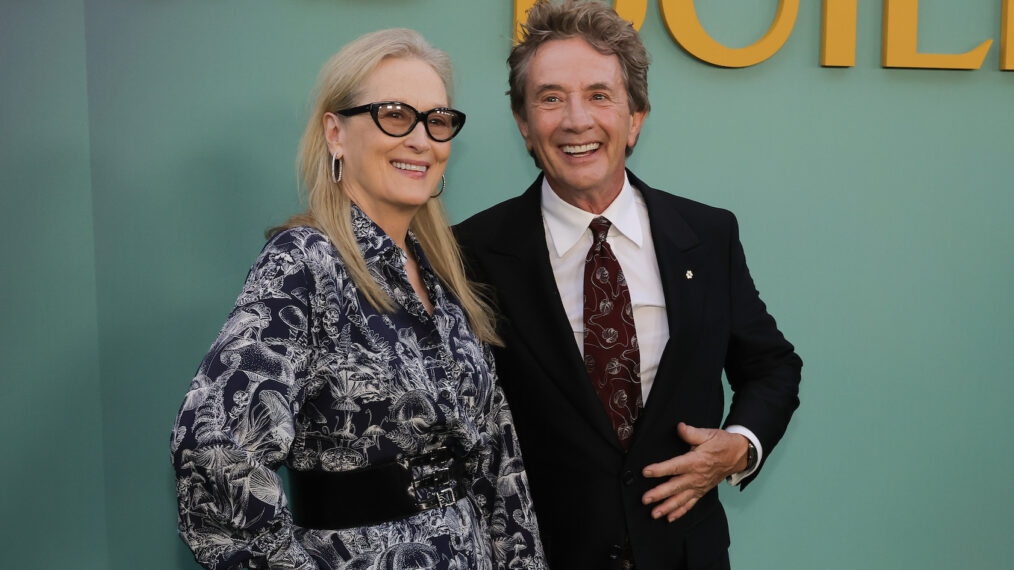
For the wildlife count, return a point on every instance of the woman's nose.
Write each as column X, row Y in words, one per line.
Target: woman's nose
column 418, row 139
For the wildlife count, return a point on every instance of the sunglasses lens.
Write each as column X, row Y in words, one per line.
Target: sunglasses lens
column 395, row 119
column 443, row 124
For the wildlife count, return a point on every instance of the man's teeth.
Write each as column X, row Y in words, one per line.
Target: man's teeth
column 407, row 166
column 572, row 149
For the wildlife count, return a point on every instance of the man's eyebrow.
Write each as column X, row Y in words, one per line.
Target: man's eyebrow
column 556, row 87
column 548, row 87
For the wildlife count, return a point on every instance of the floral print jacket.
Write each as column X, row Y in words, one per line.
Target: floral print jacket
column 308, row 374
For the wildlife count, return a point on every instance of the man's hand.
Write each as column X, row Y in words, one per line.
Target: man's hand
column 714, row 455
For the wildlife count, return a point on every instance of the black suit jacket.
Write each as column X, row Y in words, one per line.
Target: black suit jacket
column 586, row 489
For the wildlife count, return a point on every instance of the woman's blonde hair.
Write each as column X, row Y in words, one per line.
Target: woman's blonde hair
column 329, row 208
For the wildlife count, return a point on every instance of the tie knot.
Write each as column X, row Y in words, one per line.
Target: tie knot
column 599, row 227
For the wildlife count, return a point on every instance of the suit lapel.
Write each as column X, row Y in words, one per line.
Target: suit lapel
column 530, row 300
column 684, row 285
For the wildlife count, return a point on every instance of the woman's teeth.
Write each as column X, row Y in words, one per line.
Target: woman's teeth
column 580, row 149
column 406, row 166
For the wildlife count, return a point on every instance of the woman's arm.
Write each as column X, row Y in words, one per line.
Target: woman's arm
column 236, row 423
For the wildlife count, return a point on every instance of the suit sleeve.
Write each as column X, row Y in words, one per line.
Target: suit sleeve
column 762, row 367
column 236, row 423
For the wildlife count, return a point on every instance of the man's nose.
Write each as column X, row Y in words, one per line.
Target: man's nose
column 577, row 116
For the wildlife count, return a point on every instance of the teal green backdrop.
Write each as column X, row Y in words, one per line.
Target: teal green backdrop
column 145, row 146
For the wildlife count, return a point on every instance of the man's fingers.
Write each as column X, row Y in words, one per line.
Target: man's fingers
column 682, row 510
column 674, row 466
column 681, row 463
column 667, row 489
column 674, row 504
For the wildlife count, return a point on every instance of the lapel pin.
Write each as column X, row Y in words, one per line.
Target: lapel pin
column 690, row 274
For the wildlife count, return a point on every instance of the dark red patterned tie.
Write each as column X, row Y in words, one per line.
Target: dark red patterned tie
column 611, row 355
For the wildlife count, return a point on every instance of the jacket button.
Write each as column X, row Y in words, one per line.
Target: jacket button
column 627, row 477
column 615, row 551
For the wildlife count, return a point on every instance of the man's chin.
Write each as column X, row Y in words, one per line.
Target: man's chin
column 582, row 183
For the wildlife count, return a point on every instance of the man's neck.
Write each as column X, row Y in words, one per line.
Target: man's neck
column 595, row 200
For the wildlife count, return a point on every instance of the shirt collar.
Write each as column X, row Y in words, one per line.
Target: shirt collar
column 567, row 223
column 386, row 262
column 377, row 246
column 372, row 240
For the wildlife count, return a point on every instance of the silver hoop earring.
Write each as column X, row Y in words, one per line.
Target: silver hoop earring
column 336, row 177
column 443, row 184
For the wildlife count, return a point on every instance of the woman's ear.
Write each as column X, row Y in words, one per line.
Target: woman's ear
column 334, row 132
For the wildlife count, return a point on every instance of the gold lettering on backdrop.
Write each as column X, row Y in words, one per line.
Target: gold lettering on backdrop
column 1007, row 37
column 838, row 33
column 632, row 11
column 901, row 25
column 680, row 18
column 521, row 8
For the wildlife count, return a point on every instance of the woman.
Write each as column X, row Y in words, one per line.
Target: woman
column 355, row 355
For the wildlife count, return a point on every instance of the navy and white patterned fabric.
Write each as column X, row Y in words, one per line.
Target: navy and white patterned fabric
column 308, row 374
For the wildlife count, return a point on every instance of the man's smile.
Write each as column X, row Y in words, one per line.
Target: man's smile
column 580, row 150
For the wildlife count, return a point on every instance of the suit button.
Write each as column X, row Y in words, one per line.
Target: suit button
column 615, row 551
column 627, row 477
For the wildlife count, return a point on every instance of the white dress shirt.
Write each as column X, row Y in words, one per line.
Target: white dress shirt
column 569, row 239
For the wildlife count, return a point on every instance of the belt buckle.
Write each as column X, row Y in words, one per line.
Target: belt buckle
column 436, row 489
column 446, row 497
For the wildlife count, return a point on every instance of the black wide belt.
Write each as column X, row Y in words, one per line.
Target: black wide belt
column 377, row 493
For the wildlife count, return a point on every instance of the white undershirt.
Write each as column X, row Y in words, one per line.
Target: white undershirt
column 569, row 239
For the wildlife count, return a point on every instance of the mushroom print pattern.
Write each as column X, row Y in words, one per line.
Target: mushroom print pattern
column 307, row 374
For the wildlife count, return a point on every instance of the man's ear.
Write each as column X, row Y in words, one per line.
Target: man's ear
column 523, row 127
column 334, row 132
column 636, row 121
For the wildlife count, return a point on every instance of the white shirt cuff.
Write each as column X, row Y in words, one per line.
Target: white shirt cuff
column 736, row 478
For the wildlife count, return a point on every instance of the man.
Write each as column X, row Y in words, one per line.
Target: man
column 620, row 307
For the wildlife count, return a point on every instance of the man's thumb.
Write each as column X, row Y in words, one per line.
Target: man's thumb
column 691, row 435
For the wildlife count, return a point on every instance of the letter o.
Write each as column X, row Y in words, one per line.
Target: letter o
column 680, row 18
